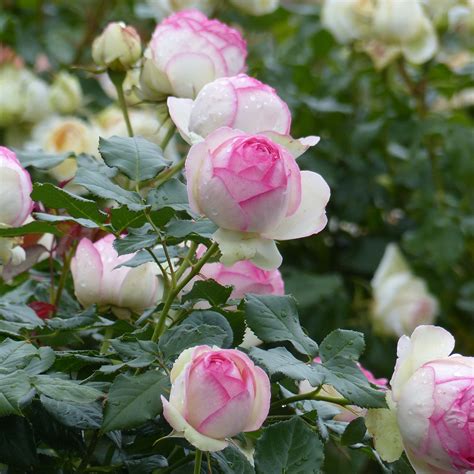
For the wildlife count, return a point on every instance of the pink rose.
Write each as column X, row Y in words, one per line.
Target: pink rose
column 244, row 276
column 15, row 202
column 240, row 102
column 434, row 398
column 350, row 412
column 252, row 188
column 98, row 281
column 216, row 394
column 186, row 51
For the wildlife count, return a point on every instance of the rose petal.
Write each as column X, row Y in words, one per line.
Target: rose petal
column 310, row 218
column 183, row 428
column 180, row 113
column 296, row 146
column 261, row 404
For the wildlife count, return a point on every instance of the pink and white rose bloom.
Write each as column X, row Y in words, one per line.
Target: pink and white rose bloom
column 433, row 402
column 240, row 102
column 215, row 395
column 98, row 281
column 251, row 187
column 350, row 412
column 15, row 203
column 186, row 51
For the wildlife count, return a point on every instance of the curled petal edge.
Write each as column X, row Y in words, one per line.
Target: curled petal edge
column 184, row 429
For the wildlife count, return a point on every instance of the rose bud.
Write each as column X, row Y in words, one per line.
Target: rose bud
column 215, row 395
column 240, row 102
column 118, row 47
column 65, row 95
column 253, row 190
column 401, row 300
column 186, row 51
column 432, row 402
column 256, row 7
column 350, row 412
column 98, row 281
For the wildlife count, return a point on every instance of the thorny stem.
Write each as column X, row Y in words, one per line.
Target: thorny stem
column 177, row 289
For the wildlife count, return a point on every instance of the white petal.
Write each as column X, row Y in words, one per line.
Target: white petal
column 296, row 146
column 392, row 262
column 236, row 246
column 180, row 113
column 424, row 46
column 426, row 343
column 310, row 218
column 184, row 429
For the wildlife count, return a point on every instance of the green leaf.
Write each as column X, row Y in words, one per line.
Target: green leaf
column 65, row 390
column 85, row 416
column 13, row 388
column 355, row 432
column 20, row 313
column 57, row 198
column 280, row 362
column 17, row 443
column 96, row 177
column 133, row 400
column 146, row 464
column 344, row 375
column 209, row 290
column 289, row 447
column 232, row 461
column 197, row 231
column 30, row 228
column 172, row 193
column 143, row 256
column 342, row 343
column 275, row 319
column 212, row 318
column 79, row 220
column 43, row 361
column 137, row 239
column 122, row 218
column 40, row 159
column 136, row 157
column 177, row 339
column 16, row 354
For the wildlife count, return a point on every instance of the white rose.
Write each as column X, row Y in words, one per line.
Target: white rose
column 401, row 301
column 66, row 94
column 256, row 7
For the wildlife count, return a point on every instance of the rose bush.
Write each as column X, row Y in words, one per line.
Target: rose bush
column 131, row 288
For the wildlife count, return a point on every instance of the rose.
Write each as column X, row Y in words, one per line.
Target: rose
column 187, row 50
column 15, row 203
column 98, row 281
column 256, row 7
column 23, row 97
column 215, row 394
column 252, row 188
column 405, row 25
column 350, row 412
column 117, row 48
column 240, row 102
column 401, row 300
column 65, row 94
column 65, row 134
column 432, row 401
column 15, row 190
column 347, row 20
